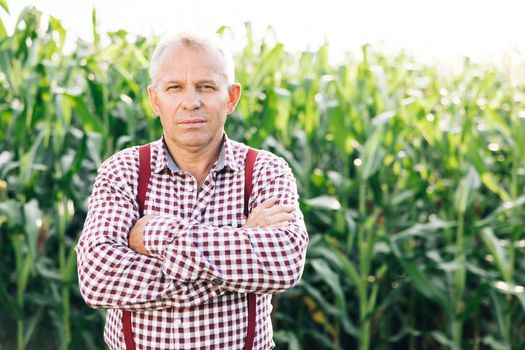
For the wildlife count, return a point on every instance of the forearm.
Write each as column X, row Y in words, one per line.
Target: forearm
column 240, row 260
column 255, row 260
column 113, row 276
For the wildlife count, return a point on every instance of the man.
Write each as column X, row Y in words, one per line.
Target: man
column 185, row 268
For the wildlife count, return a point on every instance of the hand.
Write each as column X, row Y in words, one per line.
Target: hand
column 270, row 215
column 136, row 236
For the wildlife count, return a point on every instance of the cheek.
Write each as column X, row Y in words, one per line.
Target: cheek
column 167, row 102
column 221, row 105
column 162, row 121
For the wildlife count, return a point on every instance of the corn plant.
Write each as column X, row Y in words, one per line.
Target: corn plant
column 411, row 182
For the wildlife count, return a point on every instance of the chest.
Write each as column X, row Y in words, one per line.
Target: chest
column 217, row 201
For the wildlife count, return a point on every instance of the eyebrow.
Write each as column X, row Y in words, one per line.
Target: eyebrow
column 170, row 82
column 207, row 81
column 198, row 82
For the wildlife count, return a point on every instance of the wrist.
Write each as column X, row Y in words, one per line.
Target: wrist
column 159, row 232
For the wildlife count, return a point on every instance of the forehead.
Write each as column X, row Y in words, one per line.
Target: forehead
column 182, row 62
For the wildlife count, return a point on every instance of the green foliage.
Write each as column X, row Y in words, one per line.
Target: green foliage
column 411, row 182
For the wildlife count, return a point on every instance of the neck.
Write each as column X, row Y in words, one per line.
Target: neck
column 196, row 161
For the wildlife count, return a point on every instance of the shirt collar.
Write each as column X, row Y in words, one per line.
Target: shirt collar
column 225, row 160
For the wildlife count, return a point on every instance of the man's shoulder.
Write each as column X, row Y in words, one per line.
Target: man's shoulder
column 125, row 159
column 128, row 159
column 266, row 160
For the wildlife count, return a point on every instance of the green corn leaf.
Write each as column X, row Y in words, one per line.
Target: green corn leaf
column 269, row 62
column 96, row 36
column 494, row 343
column 89, row 121
column 467, row 187
column 289, row 338
column 32, row 325
column 351, row 272
column 322, row 302
column 372, row 154
column 422, row 229
column 337, row 121
column 423, row 284
column 520, row 130
column 70, row 271
column 283, row 110
column 444, row 340
column 3, row 4
column 324, row 202
column 503, row 208
column 32, row 222
column 3, row 32
column 331, row 278
column 497, row 251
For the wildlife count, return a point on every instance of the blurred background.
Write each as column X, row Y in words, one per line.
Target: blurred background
column 404, row 124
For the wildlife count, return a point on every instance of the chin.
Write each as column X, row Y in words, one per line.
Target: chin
column 195, row 141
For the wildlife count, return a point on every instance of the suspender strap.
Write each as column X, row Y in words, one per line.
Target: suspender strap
column 128, row 333
column 248, row 171
column 144, row 175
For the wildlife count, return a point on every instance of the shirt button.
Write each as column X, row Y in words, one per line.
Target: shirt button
column 177, row 322
column 190, row 188
column 217, row 281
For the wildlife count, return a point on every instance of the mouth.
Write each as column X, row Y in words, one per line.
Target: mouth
column 192, row 123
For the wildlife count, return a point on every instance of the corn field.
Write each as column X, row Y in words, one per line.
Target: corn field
column 411, row 181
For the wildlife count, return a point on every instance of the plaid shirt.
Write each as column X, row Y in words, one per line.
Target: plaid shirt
column 191, row 293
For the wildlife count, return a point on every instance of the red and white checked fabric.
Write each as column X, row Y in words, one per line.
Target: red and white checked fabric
column 192, row 293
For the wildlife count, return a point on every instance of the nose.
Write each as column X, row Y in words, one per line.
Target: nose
column 191, row 100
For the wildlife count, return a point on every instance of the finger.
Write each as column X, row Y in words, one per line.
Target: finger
column 268, row 203
column 278, row 225
column 261, row 217
column 282, row 208
column 144, row 220
column 267, row 208
column 273, row 219
column 258, row 211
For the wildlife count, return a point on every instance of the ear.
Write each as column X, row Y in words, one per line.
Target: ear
column 154, row 99
column 234, row 93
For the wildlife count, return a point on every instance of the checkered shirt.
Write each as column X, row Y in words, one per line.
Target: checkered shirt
column 191, row 292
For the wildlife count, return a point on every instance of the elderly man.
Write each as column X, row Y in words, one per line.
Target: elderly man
column 171, row 246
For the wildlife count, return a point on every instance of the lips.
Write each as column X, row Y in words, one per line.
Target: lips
column 192, row 123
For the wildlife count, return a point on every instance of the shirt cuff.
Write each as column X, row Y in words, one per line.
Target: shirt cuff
column 159, row 232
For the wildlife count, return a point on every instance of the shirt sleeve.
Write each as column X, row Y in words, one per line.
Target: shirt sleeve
column 265, row 261
column 111, row 275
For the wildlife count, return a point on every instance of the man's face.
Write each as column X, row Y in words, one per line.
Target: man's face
column 192, row 98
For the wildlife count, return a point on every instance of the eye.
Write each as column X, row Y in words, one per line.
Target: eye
column 207, row 87
column 174, row 87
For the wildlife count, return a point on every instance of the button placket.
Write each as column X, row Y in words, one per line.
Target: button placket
column 187, row 187
column 204, row 197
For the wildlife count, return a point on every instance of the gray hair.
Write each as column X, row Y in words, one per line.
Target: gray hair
column 197, row 43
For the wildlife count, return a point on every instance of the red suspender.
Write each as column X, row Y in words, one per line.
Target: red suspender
column 248, row 171
column 144, row 176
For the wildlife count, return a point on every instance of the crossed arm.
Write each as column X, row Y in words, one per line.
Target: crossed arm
column 267, row 215
column 172, row 262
